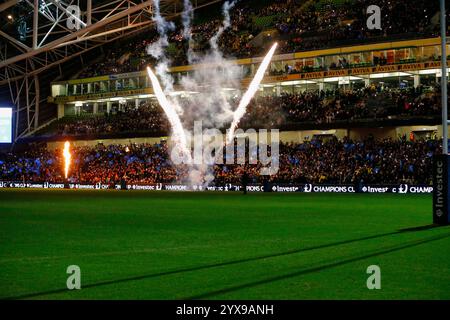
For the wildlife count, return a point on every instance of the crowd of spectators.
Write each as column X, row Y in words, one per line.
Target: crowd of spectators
column 297, row 25
column 148, row 117
column 132, row 55
column 375, row 102
column 106, row 164
column 368, row 161
column 329, row 22
column 332, row 161
column 331, row 106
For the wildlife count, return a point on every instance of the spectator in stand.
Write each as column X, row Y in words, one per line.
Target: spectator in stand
column 371, row 161
column 376, row 102
column 302, row 25
column 148, row 117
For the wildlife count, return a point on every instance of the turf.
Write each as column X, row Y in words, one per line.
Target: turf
column 161, row 245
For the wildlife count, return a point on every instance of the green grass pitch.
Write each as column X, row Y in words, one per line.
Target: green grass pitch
column 162, row 245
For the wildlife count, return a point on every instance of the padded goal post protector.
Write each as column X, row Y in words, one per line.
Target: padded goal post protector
column 441, row 211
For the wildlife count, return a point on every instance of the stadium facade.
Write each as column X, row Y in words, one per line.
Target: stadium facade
column 403, row 64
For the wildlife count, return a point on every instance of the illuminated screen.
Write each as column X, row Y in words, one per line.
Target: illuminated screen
column 5, row 125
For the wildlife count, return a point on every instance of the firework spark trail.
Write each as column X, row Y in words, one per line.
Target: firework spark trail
column 67, row 158
column 179, row 136
column 247, row 97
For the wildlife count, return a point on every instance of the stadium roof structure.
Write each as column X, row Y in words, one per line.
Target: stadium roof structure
column 38, row 35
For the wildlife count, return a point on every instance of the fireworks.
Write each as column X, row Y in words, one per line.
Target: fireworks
column 182, row 154
column 67, row 157
column 179, row 136
column 175, row 122
column 247, row 97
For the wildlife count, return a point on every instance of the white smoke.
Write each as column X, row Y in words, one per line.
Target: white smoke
column 214, row 74
column 157, row 48
column 210, row 103
column 186, row 18
column 227, row 6
column 208, row 100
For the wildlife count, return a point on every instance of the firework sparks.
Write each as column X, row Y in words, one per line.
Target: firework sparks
column 67, row 158
column 179, row 136
column 247, row 97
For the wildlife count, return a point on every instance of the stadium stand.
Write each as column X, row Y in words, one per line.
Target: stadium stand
column 86, row 110
column 284, row 111
column 352, row 162
column 297, row 25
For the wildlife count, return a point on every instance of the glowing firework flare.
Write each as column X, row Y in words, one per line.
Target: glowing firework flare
column 67, row 157
column 179, row 136
column 247, row 97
